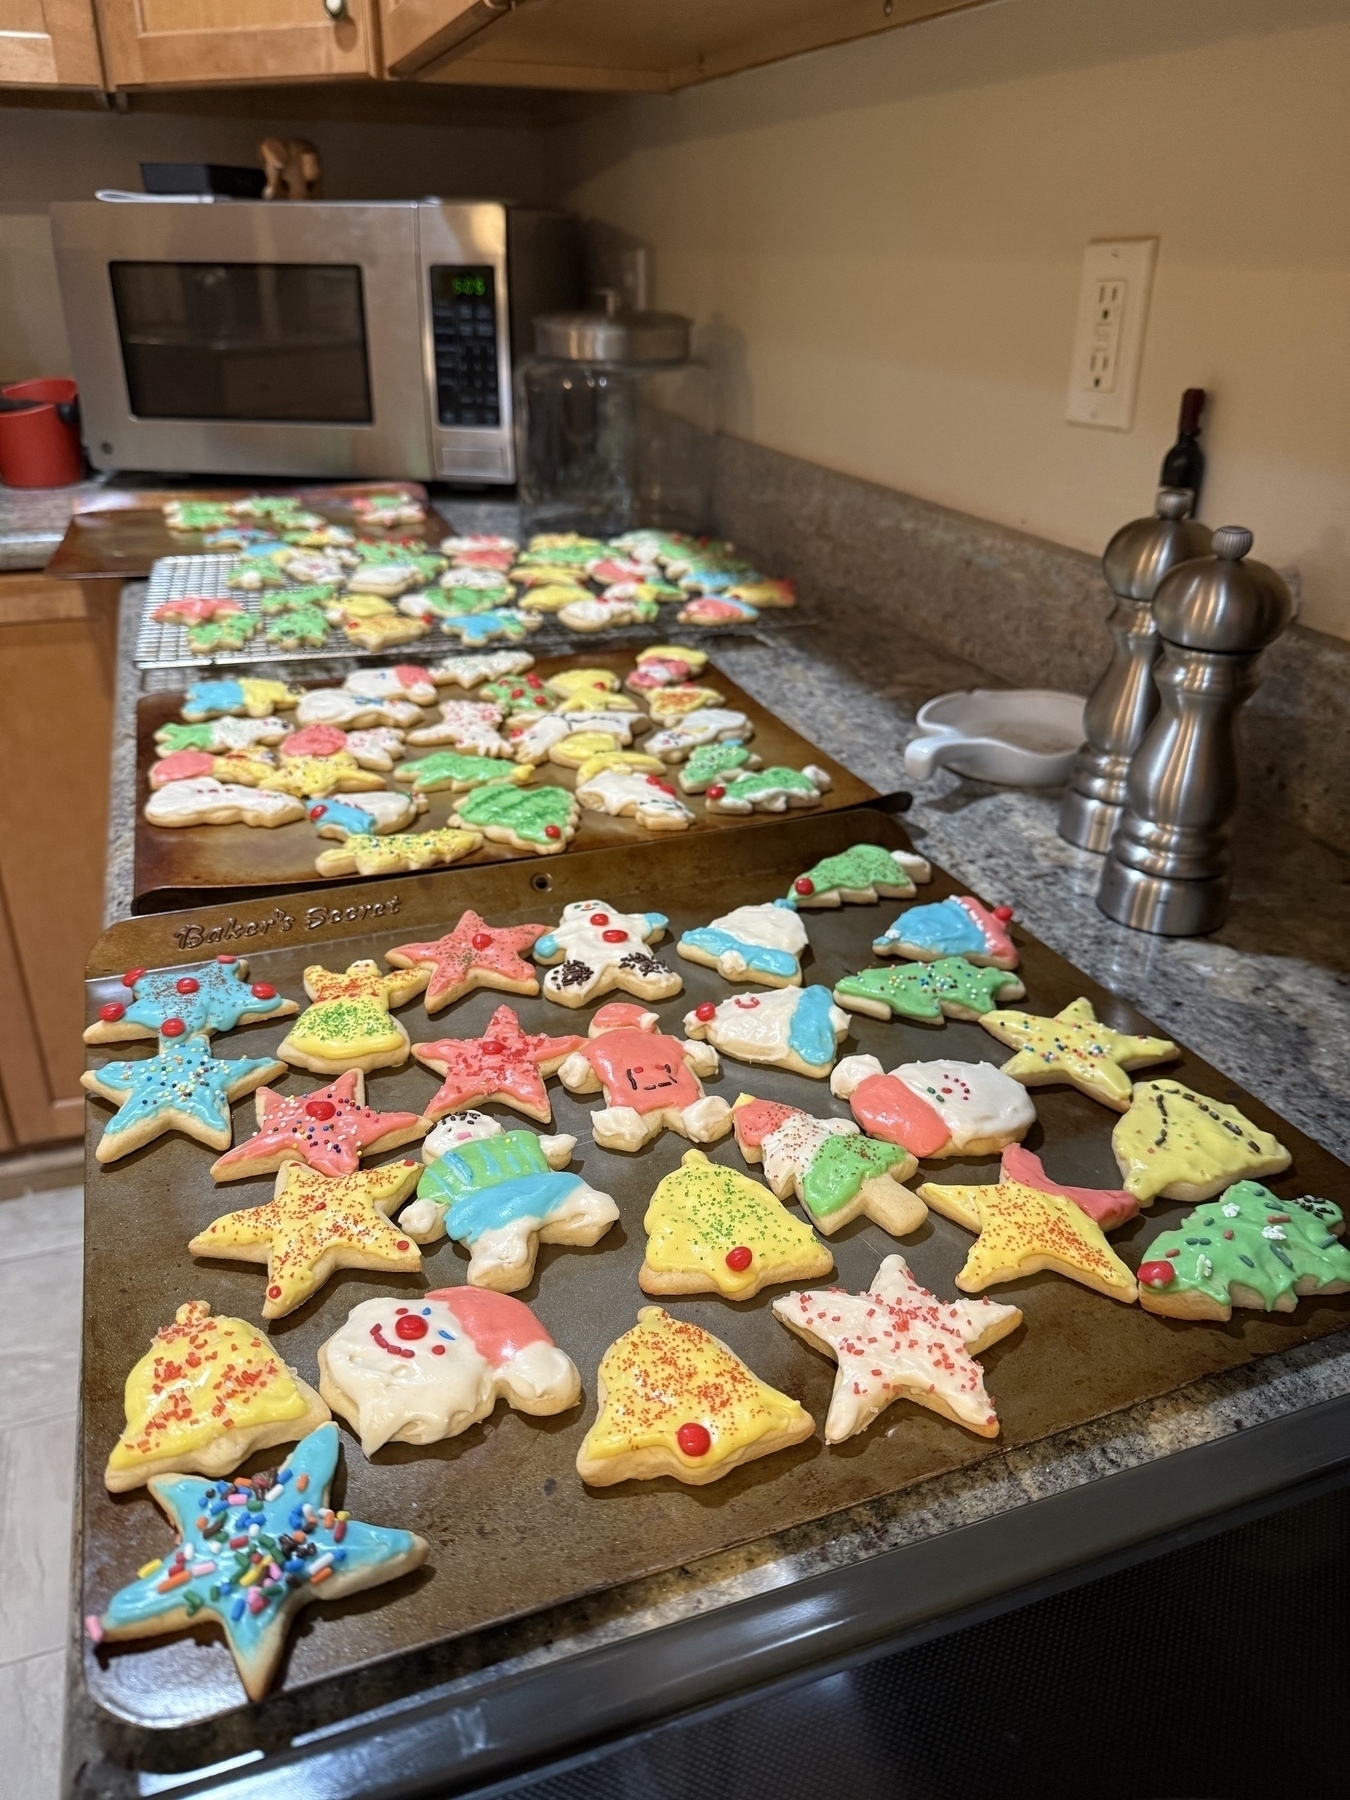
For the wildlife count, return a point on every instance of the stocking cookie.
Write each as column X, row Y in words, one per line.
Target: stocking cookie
column 205, row 1396
column 472, row 671
column 456, row 771
column 1247, row 1248
column 750, row 943
column 208, row 1577
column 502, row 1195
column 251, row 695
column 1073, row 1047
column 709, row 763
column 711, row 1230
column 505, row 1065
column 651, row 1082
column 183, row 1088
column 595, row 949
column 674, row 1400
column 349, row 1026
column 473, row 955
column 202, row 998
column 364, row 814
column 466, row 725
column 936, row 1109
column 896, row 1341
column 428, row 1370
column 542, row 820
column 957, row 927
column 927, row 991
column 796, row 1028
column 860, row 876
column 1182, row 1145
column 330, row 1130
column 398, row 852
column 833, row 1171
column 1023, row 1229
column 626, row 793
column 315, row 1225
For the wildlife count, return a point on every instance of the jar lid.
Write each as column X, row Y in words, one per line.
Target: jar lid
column 1222, row 602
column 621, row 337
column 1142, row 552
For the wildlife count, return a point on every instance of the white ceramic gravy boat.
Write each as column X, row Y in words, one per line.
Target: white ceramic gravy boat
column 1023, row 737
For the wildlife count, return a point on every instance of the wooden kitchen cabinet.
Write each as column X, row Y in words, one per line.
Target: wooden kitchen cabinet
column 651, row 46
column 49, row 43
column 185, row 43
column 57, row 641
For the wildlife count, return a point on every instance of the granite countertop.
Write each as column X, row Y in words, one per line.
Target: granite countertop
column 33, row 521
column 1267, row 1000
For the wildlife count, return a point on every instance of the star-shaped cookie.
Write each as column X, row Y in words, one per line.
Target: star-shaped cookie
column 1072, row 1046
column 330, row 1129
column 473, row 955
column 506, row 1064
column 1023, row 1229
column 205, row 997
column 896, row 1341
column 221, row 1571
column 183, row 1088
column 314, row 1225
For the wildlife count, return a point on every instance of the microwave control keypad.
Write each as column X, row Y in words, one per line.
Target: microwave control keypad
column 464, row 333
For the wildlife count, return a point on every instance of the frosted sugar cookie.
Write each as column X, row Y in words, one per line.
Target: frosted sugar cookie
column 1245, row 1248
column 796, row 1028
column 221, row 735
column 751, row 943
column 710, row 725
column 594, row 949
column 235, row 767
column 349, row 1025
column 668, row 705
column 712, row 1230
column 957, row 927
column 508, row 623
column 1074, row 1047
column 506, row 1065
column 1181, row 1145
column 334, row 706
column 768, row 790
column 206, row 801
column 456, row 771
column 251, row 695
column 399, row 851
column 860, row 876
column 404, row 681
column 182, row 1088
column 651, row 1082
column 465, row 725
column 929, row 991
column 471, row 671
column 665, row 665
column 709, row 763
column 835, row 1172
column 316, row 777
column 628, row 793
column 472, row 955
column 203, row 997
column 330, row 1129
column 541, row 819
column 626, row 605
column 364, row 814
column 936, row 1109
column 716, row 609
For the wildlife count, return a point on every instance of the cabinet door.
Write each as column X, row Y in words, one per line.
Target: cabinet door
column 49, row 43
column 182, row 42
column 415, row 32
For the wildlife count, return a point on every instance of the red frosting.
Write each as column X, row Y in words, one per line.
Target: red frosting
column 887, row 1109
column 315, row 740
column 182, row 765
column 499, row 1325
column 616, row 1013
column 642, row 1069
column 1109, row 1207
column 758, row 1118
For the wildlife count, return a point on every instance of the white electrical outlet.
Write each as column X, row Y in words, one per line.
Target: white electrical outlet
column 1108, row 342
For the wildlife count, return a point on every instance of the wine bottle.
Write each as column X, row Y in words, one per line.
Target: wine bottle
column 1184, row 464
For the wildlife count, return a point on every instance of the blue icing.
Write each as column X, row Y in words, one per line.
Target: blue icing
column 944, row 927
column 481, row 628
column 222, row 998
column 205, row 698
column 656, row 921
column 760, row 957
column 524, row 1197
column 811, row 1034
column 342, row 812
column 492, row 1182
column 184, row 1079
column 546, row 946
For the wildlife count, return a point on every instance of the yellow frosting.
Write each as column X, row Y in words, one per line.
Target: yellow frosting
column 632, row 760
column 351, row 1017
column 1074, row 1046
column 574, row 681
column 1023, row 1229
column 703, row 1211
column 200, row 1378
column 1172, row 1134
column 261, row 696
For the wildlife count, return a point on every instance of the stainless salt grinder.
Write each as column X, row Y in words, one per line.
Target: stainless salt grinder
column 1124, row 700
column 1167, row 870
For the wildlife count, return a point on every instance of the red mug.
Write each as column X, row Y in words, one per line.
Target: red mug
column 40, row 434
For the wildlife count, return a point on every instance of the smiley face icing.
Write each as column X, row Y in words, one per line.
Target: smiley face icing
column 936, row 1109
column 792, row 1028
column 750, row 943
column 501, row 1194
column 204, row 997
column 956, row 927
column 651, row 1082
column 417, row 1371
column 596, row 948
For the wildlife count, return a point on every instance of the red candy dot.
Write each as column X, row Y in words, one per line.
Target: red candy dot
column 706, row 1009
column 262, row 990
column 740, row 1258
column 274, row 1293
column 317, row 812
column 411, row 1325
column 694, row 1439
column 804, row 885
column 553, row 831
column 1003, row 912
column 172, row 1028
column 438, row 1349
column 403, row 1244
column 615, row 936
column 320, row 1109
column 227, row 959
column 1157, row 1274
column 599, row 918
column 481, row 940
column 112, row 1012
column 716, row 791
column 493, row 1047
column 187, row 985
column 131, row 977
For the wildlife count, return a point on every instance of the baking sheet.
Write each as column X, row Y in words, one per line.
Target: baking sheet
column 174, row 865
column 511, row 1527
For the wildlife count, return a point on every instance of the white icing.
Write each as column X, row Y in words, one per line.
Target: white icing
column 918, row 868
column 206, row 801
column 468, row 725
column 379, row 747
column 388, row 812
column 850, row 1073
column 488, row 665
column 619, row 725
column 457, row 1128
column 533, row 742
column 769, row 926
column 477, row 581
column 424, row 1397
column 246, row 734
column 385, row 580
column 504, row 1258
column 757, row 1027
column 477, row 540
column 582, row 942
column 710, row 724
column 620, row 791
column 975, row 1100
column 594, row 612
column 390, row 684
column 331, row 706
column 790, row 1150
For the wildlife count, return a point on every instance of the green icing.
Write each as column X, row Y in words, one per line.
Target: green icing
column 296, row 599
column 927, row 990
column 752, row 785
column 527, row 812
column 171, row 737
column 301, row 626
column 840, row 1167
column 337, row 1025
column 453, row 768
column 864, row 866
column 465, row 603
column 708, row 761
column 201, row 515
column 260, row 567
column 1251, row 1237
column 228, row 631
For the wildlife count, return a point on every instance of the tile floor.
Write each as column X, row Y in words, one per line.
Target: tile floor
column 41, row 1237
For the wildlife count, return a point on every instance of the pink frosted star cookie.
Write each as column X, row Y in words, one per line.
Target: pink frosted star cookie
column 330, row 1129
column 506, row 1065
column 473, row 955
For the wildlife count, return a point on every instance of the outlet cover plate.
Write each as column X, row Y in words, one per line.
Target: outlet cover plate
column 1108, row 343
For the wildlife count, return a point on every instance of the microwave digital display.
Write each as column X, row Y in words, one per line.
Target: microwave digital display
column 464, row 337
column 243, row 341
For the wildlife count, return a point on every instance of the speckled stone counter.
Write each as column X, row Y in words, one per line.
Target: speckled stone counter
column 33, row 521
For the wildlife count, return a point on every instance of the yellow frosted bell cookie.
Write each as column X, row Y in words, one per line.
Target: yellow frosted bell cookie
column 674, row 1400
column 896, row 1341
column 1072, row 1046
column 1181, row 1145
column 207, row 1394
column 349, row 1026
column 712, row 1229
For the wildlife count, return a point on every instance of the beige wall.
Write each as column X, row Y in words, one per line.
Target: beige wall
column 884, row 242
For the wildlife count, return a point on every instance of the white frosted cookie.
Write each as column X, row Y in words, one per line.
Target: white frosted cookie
column 936, row 1109
column 471, row 670
column 629, row 794
column 466, row 725
column 595, row 948
column 532, row 739
column 379, row 813
column 405, row 681
column 708, row 725
column 750, row 943
column 829, row 1166
column 379, row 748
column 206, row 801
column 333, row 706
column 796, row 1028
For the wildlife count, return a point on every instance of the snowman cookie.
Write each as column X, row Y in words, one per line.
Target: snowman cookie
column 750, row 943
column 936, row 1109
column 594, row 948
column 651, row 1082
column 797, row 1028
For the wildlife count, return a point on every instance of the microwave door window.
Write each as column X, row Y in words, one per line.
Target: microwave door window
column 281, row 342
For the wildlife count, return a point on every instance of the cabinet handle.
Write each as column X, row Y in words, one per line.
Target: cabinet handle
column 336, row 9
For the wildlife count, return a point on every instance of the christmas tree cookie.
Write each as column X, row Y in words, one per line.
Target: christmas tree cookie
column 207, row 1394
column 955, row 927
column 1247, row 1248
column 349, row 1026
column 219, row 735
column 222, row 1571
column 767, row 790
column 315, row 1225
column 1074, row 1047
column 674, row 1400
column 896, row 1341
column 473, row 955
column 330, row 1130
column 835, row 1172
column 860, row 877
column 750, row 943
column 183, row 1088
column 505, row 1066
column 926, row 991
column 205, row 997
column 456, row 771
column 543, row 819
column 712, row 1230
column 1181, row 1145
column 709, row 763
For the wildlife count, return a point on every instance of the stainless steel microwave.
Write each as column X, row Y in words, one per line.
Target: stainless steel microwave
column 315, row 338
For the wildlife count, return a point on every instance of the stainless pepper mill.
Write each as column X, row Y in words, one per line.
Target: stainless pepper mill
column 1167, row 870
column 1124, row 701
